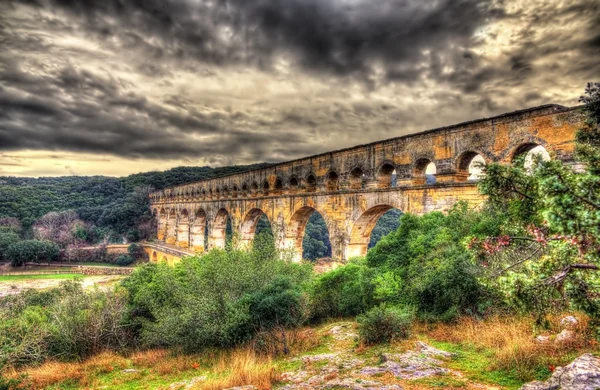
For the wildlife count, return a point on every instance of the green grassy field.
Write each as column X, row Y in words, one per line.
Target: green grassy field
column 11, row 278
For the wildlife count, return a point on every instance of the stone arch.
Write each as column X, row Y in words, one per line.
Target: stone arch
column 278, row 186
column 249, row 224
column 332, row 181
column 362, row 228
column 294, row 183
column 198, row 231
column 218, row 235
column 469, row 165
column 530, row 151
column 265, row 188
column 356, row 178
column 294, row 231
column 162, row 225
column 154, row 256
column 254, row 188
column 311, row 183
column 424, row 171
column 234, row 191
column 225, row 192
column 183, row 229
column 171, row 227
column 203, row 194
column 217, row 193
column 385, row 175
column 245, row 190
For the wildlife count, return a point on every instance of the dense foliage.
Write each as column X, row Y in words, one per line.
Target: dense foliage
column 547, row 255
column 37, row 251
column 112, row 205
column 219, row 299
column 64, row 323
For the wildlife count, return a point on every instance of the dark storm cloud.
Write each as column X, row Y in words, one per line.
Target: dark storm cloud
column 83, row 112
column 401, row 47
column 336, row 37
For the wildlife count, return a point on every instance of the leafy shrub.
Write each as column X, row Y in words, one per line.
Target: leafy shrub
column 205, row 300
column 343, row 292
column 124, row 260
column 32, row 250
column 425, row 263
column 136, row 251
column 279, row 303
column 61, row 323
column 383, row 324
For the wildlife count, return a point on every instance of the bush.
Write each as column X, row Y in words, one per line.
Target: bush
column 343, row 292
column 124, row 260
column 37, row 251
column 7, row 239
column 279, row 304
column 62, row 323
column 383, row 324
column 428, row 265
column 206, row 301
column 136, row 251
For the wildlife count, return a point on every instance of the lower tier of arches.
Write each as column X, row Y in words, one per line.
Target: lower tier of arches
column 350, row 217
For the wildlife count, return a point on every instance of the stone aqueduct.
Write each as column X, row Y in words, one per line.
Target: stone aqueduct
column 351, row 188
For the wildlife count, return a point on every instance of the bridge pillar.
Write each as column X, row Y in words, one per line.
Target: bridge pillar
column 183, row 233
column 171, row 237
column 161, row 231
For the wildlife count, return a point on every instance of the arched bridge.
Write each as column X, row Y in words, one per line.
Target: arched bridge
column 351, row 188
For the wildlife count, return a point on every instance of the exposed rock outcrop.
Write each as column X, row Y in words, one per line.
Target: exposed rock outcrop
column 582, row 374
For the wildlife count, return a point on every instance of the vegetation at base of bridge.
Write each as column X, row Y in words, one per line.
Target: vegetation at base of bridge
column 531, row 252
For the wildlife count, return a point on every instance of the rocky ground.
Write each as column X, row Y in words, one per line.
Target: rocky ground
column 342, row 365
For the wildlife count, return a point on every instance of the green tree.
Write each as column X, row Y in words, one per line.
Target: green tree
column 35, row 251
column 549, row 253
column 6, row 240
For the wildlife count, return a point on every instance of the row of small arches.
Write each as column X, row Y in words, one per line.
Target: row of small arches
column 469, row 163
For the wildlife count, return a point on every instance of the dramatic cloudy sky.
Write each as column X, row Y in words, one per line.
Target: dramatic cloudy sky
column 117, row 86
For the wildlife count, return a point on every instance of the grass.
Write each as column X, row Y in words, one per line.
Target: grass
column 503, row 350
column 33, row 276
column 498, row 351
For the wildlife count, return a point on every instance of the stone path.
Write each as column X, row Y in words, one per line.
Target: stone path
column 343, row 369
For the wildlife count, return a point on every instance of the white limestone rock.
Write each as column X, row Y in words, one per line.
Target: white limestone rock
column 582, row 374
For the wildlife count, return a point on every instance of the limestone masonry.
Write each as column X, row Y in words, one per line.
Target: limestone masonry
column 351, row 188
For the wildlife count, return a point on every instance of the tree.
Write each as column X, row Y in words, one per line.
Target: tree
column 550, row 249
column 6, row 240
column 36, row 251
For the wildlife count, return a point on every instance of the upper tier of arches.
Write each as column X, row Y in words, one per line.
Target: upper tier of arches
column 434, row 158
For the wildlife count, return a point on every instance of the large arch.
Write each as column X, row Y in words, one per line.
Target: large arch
column 294, row 232
column 197, row 231
column 218, row 235
column 171, row 237
column 249, row 224
column 362, row 229
column 183, row 229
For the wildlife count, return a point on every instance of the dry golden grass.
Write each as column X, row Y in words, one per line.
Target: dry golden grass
column 51, row 373
column 149, row 358
column 512, row 341
column 241, row 367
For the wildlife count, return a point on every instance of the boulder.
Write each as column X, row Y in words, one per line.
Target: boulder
column 565, row 336
column 582, row 374
column 568, row 322
column 542, row 339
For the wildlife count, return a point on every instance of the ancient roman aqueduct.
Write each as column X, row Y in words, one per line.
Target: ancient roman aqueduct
column 351, row 188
